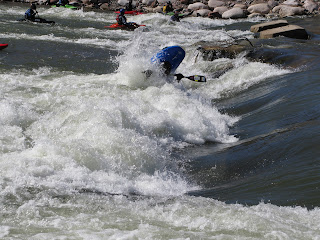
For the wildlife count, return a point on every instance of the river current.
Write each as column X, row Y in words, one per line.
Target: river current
column 92, row 149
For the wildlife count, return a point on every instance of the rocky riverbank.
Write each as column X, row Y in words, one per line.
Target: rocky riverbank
column 205, row 8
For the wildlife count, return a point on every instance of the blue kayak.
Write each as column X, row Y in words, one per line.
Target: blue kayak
column 170, row 56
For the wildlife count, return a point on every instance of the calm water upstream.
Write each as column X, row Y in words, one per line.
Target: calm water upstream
column 91, row 149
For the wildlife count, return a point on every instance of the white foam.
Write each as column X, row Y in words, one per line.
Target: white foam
column 90, row 156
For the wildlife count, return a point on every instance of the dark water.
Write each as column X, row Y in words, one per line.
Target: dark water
column 90, row 149
column 277, row 158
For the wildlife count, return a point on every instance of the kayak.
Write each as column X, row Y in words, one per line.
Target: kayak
column 134, row 12
column 172, row 13
column 37, row 20
column 3, row 45
column 66, row 6
column 124, row 27
column 173, row 56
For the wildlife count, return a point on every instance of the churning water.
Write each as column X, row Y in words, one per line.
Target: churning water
column 92, row 149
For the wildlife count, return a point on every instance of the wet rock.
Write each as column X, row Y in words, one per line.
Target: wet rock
column 262, row 8
column 210, row 53
column 291, row 31
column 268, row 25
column 234, row 13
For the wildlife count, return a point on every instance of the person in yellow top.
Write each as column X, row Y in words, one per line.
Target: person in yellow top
column 167, row 8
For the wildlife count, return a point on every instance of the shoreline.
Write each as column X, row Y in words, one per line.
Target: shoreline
column 214, row 9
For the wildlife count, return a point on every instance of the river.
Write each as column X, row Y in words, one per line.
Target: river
column 92, row 149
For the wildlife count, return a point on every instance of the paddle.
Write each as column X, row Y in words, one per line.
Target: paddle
column 179, row 76
column 195, row 78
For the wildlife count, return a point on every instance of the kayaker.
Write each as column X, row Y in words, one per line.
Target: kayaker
column 122, row 20
column 167, row 8
column 31, row 13
column 62, row 2
column 167, row 60
column 176, row 16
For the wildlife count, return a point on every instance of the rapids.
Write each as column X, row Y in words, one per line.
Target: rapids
column 92, row 149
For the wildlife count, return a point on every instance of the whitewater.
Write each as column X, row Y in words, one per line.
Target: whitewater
column 90, row 148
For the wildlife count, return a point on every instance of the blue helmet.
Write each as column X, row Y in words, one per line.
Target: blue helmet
column 122, row 11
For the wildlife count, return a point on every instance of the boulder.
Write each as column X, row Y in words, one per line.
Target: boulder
column 203, row 12
column 276, row 9
column 157, row 9
column 234, row 13
column 268, row 25
column 291, row 31
column 272, row 3
column 293, row 3
column 220, row 10
column 262, row 8
column 147, row 2
column 240, row 5
column 256, row 2
column 122, row 2
column 310, row 6
column 104, row 6
column 162, row 2
column 147, row 9
column 215, row 3
column 291, row 11
column 197, row 6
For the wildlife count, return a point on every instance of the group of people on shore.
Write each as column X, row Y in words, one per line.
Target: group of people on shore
column 31, row 13
column 168, row 8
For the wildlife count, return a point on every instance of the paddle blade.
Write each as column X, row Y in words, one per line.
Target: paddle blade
column 197, row 78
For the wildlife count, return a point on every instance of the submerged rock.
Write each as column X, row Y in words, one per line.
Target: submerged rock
column 268, row 25
column 210, row 53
